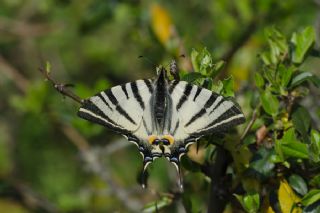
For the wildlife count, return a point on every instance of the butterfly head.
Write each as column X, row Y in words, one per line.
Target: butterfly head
column 161, row 145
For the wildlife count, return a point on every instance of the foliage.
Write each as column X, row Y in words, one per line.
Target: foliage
column 52, row 161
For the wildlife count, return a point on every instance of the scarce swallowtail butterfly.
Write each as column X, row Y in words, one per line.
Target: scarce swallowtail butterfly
column 160, row 116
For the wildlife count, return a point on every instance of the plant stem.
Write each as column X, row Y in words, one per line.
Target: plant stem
column 217, row 201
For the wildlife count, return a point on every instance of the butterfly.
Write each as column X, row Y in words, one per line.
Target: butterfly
column 161, row 117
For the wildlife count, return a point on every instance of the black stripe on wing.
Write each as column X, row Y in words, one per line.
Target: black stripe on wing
column 115, row 102
column 124, row 89
column 136, row 94
column 207, row 105
column 92, row 113
column 172, row 86
column 197, row 93
column 104, row 101
column 228, row 119
column 233, row 111
column 184, row 97
column 149, row 85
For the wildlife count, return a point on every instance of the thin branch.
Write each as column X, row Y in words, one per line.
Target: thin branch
column 23, row 29
column 61, row 88
column 217, row 193
column 31, row 198
column 12, row 73
column 250, row 124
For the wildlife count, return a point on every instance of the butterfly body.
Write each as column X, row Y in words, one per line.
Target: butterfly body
column 160, row 116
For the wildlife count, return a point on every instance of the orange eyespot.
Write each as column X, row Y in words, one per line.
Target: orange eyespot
column 169, row 138
column 151, row 138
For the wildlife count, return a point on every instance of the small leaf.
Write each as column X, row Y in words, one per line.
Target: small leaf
column 216, row 69
column 269, row 102
column 250, row 202
column 48, row 67
column 301, row 121
column 314, row 148
column 205, row 62
column 228, row 87
column 261, row 163
column 315, row 181
column 312, row 197
column 298, row 184
column 291, row 147
column 302, row 42
column 285, row 75
column 259, row 80
column 300, row 78
column 191, row 77
column 195, row 61
column 287, row 198
column 217, row 87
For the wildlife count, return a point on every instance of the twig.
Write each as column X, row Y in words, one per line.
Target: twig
column 32, row 199
column 250, row 124
column 61, row 88
column 12, row 73
column 22, row 28
column 217, row 201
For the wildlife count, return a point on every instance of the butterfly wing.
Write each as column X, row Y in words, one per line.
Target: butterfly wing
column 121, row 108
column 198, row 111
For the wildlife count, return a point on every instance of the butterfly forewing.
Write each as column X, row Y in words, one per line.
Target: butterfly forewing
column 120, row 108
column 202, row 111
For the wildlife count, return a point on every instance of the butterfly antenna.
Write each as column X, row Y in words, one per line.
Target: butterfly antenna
column 148, row 60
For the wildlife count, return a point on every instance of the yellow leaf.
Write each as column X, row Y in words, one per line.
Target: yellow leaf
column 161, row 23
column 287, row 198
column 269, row 210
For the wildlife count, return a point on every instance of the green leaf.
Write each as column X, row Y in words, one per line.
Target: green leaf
column 298, row 184
column 301, row 122
column 285, row 75
column 192, row 77
column 250, row 202
column 259, row 80
column 312, row 197
column 205, row 62
column 302, row 42
column 269, row 103
column 315, row 181
column 195, row 61
column 216, row 69
column 261, row 163
column 217, row 87
column 278, row 47
column 300, row 78
column 228, row 85
column 291, row 147
column 314, row 148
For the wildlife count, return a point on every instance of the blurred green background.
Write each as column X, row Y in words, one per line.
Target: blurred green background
column 53, row 161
